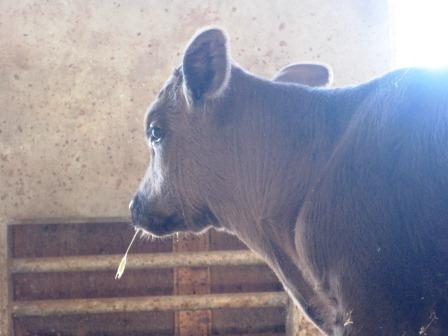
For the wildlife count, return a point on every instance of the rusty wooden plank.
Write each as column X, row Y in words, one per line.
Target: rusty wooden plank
column 68, row 220
column 80, row 239
column 192, row 280
column 113, row 324
column 135, row 261
column 5, row 283
column 266, row 321
column 149, row 303
column 83, row 285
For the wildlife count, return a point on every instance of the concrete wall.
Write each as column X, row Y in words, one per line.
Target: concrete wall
column 76, row 77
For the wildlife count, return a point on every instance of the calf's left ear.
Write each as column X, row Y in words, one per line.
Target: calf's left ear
column 309, row 74
column 206, row 65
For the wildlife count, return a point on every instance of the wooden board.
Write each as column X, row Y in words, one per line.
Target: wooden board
column 192, row 280
column 113, row 237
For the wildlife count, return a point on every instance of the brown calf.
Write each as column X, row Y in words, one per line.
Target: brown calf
column 344, row 192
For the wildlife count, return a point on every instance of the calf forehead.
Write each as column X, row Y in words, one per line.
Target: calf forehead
column 167, row 98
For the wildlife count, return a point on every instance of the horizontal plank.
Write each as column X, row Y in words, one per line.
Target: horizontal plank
column 68, row 220
column 149, row 303
column 134, row 261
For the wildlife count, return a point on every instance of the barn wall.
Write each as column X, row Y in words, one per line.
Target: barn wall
column 76, row 77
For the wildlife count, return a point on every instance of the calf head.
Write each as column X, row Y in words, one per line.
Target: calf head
column 173, row 195
column 194, row 130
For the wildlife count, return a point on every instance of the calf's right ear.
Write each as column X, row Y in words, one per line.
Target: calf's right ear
column 206, row 65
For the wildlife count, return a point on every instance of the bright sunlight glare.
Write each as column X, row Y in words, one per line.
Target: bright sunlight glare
column 420, row 32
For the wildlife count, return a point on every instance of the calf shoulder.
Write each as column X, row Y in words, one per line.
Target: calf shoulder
column 373, row 229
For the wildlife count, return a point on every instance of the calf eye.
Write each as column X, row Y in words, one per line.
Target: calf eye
column 155, row 134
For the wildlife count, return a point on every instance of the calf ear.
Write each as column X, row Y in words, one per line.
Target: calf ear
column 305, row 74
column 206, row 65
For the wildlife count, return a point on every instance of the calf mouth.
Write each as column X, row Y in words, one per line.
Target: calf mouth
column 160, row 226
